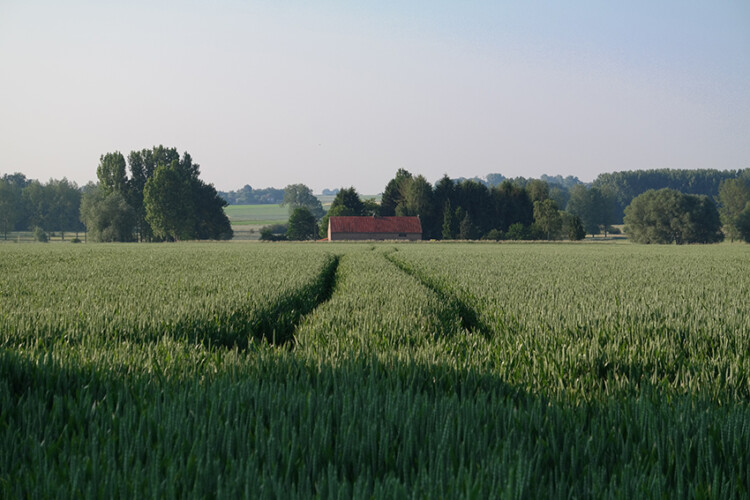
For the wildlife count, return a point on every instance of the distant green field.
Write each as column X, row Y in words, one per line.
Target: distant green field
column 247, row 220
column 243, row 215
column 263, row 215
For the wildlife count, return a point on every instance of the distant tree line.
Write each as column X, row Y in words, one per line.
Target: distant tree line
column 625, row 186
column 464, row 209
column 517, row 209
column 163, row 199
column 249, row 196
column 29, row 205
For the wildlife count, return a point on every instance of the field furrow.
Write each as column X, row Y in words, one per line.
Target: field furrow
column 605, row 320
column 376, row 308
column 136, row 294
column 469, row 318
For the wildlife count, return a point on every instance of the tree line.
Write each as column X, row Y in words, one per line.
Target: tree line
column 448, row 210
column 162, row 199
column 157, row 195
column 625, row 186
column 29, row 205
column 610, row 192
column 249, row 196
column 518, row 209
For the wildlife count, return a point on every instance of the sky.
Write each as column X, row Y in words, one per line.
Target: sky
column 340, row 93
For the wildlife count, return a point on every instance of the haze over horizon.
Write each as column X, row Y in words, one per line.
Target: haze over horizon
column 336, row 94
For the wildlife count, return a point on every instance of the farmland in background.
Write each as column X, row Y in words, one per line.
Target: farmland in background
column 247, row 220
column 386, row 370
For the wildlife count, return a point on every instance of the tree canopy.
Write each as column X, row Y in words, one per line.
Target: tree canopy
column 625, row 186
column 169, row 206
column 249, row 196
column 547, row 217
column 10, row 203
column 163, row 199
column 302, row 225
column 742, row 223
column 107, row 216
column 734, row 197
column 595, row 206
column 668, row 216
column 111, row 173
column 299, row 195
column 346, row 202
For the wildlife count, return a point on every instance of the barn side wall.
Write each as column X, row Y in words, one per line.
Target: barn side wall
column 372, row 236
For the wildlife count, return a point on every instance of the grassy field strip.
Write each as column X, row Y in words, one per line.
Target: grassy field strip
column 469, row 318
column 257, row 214
column 606, row 320
column 378, row 309
column 207, row 294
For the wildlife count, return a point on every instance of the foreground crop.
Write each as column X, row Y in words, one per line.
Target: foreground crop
column 415, row 370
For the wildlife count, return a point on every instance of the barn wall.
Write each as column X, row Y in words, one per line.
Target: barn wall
column 372, row 236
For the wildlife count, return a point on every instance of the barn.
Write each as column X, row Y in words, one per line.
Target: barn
column 374, row 228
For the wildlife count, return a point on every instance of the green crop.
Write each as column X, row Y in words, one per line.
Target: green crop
column 604, row 320
column 360, row 370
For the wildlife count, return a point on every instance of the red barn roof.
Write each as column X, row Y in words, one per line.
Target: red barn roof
column 353, row 224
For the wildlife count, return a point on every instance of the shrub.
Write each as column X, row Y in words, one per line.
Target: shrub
column 40, row 235
column 493, row 234
column 517, row 231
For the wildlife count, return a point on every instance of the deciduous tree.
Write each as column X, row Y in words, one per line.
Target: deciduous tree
column 169, row 205
column 668, row 216
column 743, row 223
column 572, row 226
column 595, row 206
column 10, row 202
column 210, row 219
column 734, row 195
column 107, row 217
column 111, row 173
column 448, row 231
column 547, row 217
column 302, row 225
column 65, row 206
column 299, row 195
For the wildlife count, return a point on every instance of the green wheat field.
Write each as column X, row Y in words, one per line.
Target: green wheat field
column 374, row 370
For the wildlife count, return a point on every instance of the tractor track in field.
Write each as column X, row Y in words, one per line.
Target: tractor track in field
column 276, row 323
column 469, row 318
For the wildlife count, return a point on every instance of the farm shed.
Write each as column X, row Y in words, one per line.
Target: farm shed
column 374, row 228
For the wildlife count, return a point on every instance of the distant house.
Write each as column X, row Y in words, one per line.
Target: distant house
column 374, row 228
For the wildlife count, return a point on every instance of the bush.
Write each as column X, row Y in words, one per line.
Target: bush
column 40, row 235
column 573, row 227
column 517, row 231
column 493, row 234
column 275, row 232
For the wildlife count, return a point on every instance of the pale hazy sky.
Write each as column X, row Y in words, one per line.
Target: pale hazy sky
column 335, row 93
